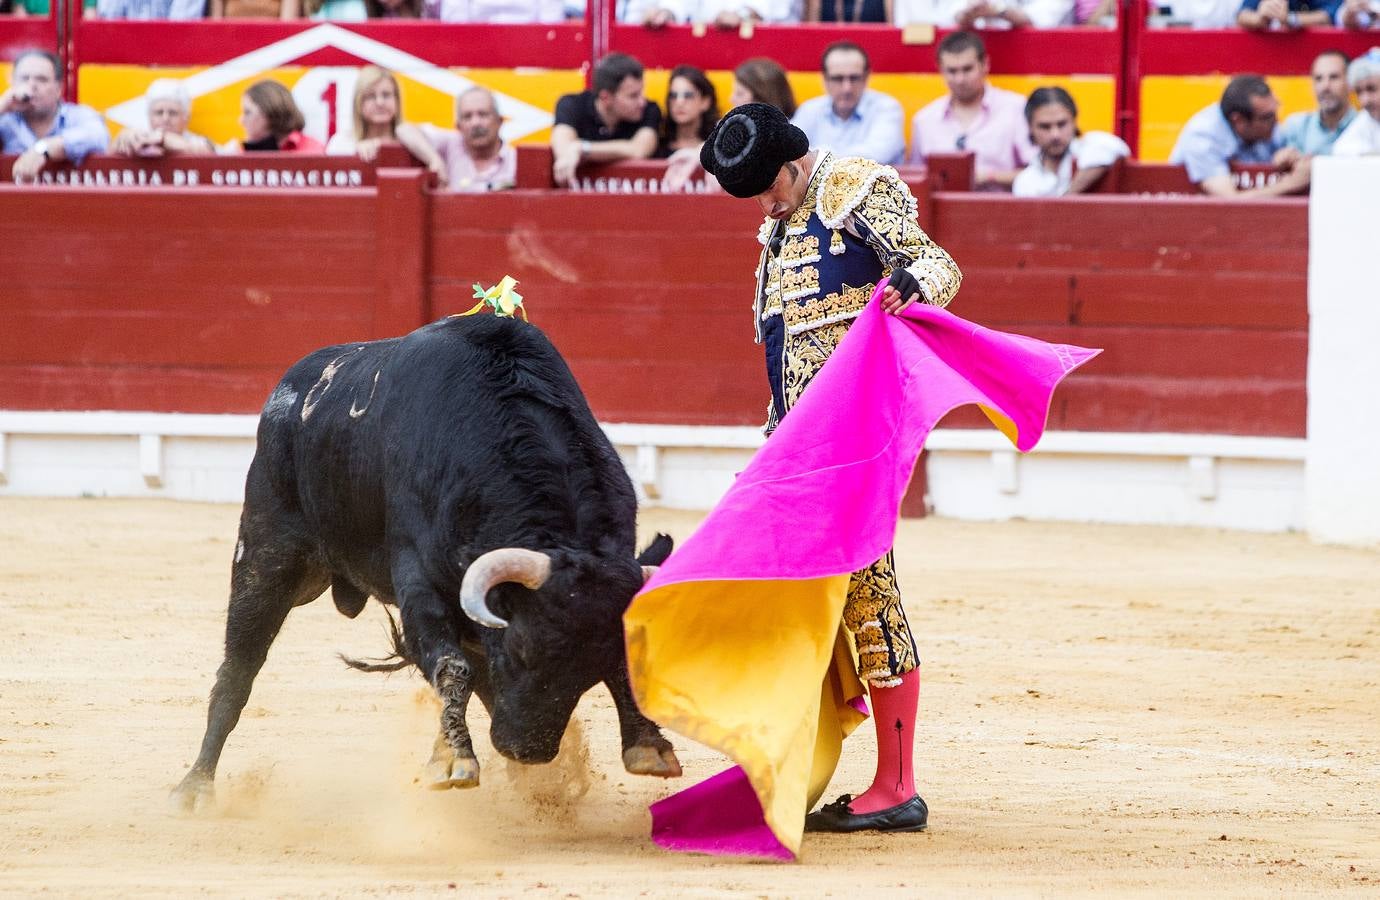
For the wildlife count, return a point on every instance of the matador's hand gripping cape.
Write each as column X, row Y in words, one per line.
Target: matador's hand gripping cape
column 736, row 642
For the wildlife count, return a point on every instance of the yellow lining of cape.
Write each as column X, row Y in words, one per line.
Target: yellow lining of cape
column 774, row 697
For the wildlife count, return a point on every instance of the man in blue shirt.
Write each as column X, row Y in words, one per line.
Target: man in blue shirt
column 38, row 125
column 1314, row 133
column 852, row 120
column 1259, row 15
column 1242, row 127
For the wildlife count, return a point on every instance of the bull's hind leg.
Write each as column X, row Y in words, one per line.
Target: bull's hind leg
column 268, row 578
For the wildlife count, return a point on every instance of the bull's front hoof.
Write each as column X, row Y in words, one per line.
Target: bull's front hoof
column 644, row 760
column 443, row 774
column 195, row 794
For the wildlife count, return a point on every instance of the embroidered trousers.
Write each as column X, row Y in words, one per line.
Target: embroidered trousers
column 873, row 613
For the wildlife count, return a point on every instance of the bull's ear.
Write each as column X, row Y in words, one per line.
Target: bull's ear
column 656, row 552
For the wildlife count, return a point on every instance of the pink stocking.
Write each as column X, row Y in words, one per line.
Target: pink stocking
column 893, row 712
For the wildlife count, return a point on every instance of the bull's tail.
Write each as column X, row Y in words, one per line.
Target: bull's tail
column 394, row 661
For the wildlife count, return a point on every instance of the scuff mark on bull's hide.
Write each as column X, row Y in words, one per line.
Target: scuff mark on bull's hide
column 280, row 403
column 239, row 551
column 323, row 384
column 357, row 411
column 528, row 250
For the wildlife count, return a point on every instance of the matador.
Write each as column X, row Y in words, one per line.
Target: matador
column 835, row 227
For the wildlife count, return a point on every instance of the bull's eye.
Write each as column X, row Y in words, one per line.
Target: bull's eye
column 519, row 646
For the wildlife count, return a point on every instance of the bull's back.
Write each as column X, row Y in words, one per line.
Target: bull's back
column 413, row 432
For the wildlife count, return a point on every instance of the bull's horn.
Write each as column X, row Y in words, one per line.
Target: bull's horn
column 648, row 572
column 527, row 567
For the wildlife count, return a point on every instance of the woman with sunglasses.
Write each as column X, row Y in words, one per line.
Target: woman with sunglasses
column 692, row 108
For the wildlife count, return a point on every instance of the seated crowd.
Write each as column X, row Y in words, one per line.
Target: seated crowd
column 1031, row 146
column 744, row 14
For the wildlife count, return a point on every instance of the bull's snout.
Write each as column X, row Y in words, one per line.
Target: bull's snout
column 529, row 747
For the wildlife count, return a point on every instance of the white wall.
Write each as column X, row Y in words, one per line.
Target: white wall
column 1342, row 470
column 1170, row 479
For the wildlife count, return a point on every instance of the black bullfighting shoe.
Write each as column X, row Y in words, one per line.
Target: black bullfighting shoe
column 909, row 816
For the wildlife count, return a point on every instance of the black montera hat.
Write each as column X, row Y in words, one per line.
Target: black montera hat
column 748, row 147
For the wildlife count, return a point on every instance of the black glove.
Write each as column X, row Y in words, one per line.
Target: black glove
column 905, row 283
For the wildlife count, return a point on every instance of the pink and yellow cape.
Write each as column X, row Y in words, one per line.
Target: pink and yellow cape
column 736, row 642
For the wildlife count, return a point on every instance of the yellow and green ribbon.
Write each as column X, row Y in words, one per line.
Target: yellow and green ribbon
column 504, row 301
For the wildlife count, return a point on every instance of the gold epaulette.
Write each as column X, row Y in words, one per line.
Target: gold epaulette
column 845, row 184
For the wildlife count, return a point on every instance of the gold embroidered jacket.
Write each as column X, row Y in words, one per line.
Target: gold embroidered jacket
column 858, row 221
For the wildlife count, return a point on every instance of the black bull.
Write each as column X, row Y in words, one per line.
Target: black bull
column 458, row 473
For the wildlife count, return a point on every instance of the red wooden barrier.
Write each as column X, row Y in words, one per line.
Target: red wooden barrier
column 188, row 299
column 195, row 299
column 1205, row 330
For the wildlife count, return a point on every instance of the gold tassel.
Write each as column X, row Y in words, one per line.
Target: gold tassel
column 836, row 243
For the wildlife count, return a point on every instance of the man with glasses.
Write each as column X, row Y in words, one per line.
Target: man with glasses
column 852, row 120
column 974, row 117
column 1243, row 127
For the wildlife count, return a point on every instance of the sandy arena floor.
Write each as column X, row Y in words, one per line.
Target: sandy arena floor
column 1125, row 710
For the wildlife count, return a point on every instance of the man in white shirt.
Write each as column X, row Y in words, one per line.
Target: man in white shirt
column 995, row 14
column 1362, row 136
column 1067, row 162
column 728, row 14
column 852, row 120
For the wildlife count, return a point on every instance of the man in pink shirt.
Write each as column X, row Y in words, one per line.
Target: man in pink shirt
column 476, row 158
column 975, row 117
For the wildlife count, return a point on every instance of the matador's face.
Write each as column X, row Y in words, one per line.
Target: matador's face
column 786, row 193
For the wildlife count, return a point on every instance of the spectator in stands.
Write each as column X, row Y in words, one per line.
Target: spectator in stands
column 850, row 119
column 692, row 108
column 501, row 12
column 1067, row 161
column 997, row 14
column 762, row 80
column 377, row 119
column 41, row 8
column 332, row 10
column 975, row 117
column 37, row 124
column 845, row 11
column 476, row 157
column 1259, row 15
column 613, row 121
column 1359, row 14
column 1209, row 14
column 1362, row 137
column 272, row 122
column 1242, row 127
column 255, row 9
column 169, row 111
column 151, row 9
column 1314, row 133
column 727, row 14
column 395, row 9
column 1095, row 13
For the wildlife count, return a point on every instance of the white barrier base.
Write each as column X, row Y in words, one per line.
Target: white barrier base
column 1206, row 480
